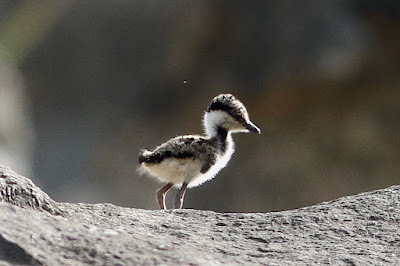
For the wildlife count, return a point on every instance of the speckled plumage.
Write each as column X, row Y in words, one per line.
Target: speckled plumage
column 186, row 158
column 192, row 159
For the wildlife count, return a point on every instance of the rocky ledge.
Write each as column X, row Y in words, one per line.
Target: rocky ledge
column 354, row 230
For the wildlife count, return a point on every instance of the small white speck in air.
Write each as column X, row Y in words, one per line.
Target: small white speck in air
column 185, row 81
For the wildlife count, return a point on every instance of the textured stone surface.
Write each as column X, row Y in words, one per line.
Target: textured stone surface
column 354, row 230
column 20, row 191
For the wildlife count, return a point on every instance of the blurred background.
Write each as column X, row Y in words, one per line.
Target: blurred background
column 85, row 84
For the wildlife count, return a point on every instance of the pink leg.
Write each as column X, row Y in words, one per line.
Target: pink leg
column 161, row 195
column 179, row 197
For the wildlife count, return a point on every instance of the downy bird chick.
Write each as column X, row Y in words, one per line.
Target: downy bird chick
column 190, row 160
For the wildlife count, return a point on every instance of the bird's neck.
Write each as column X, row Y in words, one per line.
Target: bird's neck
column 213, row 128
column 221, row 133
column 218, row 132
column 223, row 139
column 215, row 131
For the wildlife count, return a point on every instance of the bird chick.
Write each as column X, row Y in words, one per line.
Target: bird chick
column 190, row 160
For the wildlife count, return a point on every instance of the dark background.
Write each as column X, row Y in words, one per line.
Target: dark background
column 85, row 84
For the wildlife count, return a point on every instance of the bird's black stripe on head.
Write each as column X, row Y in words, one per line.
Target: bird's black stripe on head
column 219, row 106
column 215, row 106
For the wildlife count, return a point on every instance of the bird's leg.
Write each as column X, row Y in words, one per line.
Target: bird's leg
column 161, row 195
column 180, row 195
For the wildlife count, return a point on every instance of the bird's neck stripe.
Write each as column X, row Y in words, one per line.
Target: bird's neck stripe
column 222, row 133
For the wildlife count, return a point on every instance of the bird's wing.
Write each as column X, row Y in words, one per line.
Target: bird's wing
column 182, row 147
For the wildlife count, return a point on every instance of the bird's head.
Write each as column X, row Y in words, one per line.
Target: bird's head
column 227, row 112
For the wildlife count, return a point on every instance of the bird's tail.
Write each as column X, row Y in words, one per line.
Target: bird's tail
column 143, row 155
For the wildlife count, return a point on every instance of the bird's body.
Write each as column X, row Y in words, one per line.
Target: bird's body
column 191, row 160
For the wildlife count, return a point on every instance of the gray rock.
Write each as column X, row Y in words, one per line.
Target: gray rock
column 354, row 230
column 20, row 191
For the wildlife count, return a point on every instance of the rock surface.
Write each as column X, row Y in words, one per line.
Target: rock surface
column 21, row 191
column 354, row 230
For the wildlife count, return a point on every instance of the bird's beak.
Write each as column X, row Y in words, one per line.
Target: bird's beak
column 251, row 127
